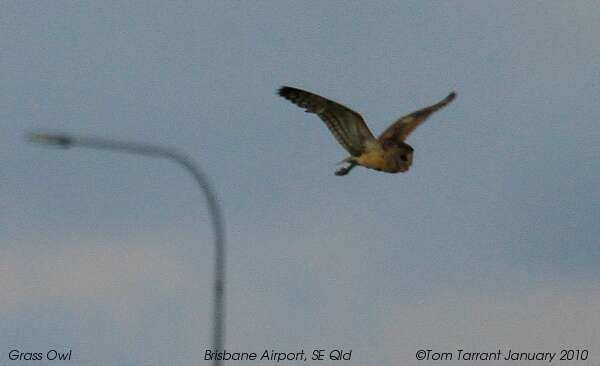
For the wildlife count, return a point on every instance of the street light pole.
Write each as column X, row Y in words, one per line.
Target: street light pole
column 68, row 141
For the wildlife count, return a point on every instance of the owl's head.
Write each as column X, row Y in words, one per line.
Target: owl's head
column 404, row 157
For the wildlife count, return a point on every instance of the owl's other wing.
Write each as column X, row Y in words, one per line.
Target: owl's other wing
column 399, row 130
column 348, row 127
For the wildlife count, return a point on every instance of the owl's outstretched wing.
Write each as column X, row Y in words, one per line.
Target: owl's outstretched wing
column 348, row 127
column 399, row 130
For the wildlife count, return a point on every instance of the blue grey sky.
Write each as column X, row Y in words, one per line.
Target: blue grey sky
column 489, row 242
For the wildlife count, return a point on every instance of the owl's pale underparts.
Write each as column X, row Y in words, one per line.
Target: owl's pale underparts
column 387, row 153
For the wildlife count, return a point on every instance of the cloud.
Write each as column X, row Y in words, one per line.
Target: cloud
column 81, row 268
column 528, row 317
column 141, row 293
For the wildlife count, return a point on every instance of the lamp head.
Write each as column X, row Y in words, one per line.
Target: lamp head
column 51, row 139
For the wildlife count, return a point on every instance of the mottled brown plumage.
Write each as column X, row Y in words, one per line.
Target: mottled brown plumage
column 388, row 153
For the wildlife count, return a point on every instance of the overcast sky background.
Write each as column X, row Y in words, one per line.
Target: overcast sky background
column 489, row 242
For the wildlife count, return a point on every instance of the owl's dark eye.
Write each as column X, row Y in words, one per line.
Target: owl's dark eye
column 403, row 158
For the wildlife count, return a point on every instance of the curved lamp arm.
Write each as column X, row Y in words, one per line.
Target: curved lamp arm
column 67, row 141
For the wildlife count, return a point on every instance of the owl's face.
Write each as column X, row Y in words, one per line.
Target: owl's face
column 404, row 157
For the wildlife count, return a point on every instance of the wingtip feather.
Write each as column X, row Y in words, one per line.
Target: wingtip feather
column 283, row 90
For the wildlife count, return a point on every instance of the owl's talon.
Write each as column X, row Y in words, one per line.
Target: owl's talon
column 345, row 170
column 341, row 172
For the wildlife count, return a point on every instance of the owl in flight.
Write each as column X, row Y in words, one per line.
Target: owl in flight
column 388, row 153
